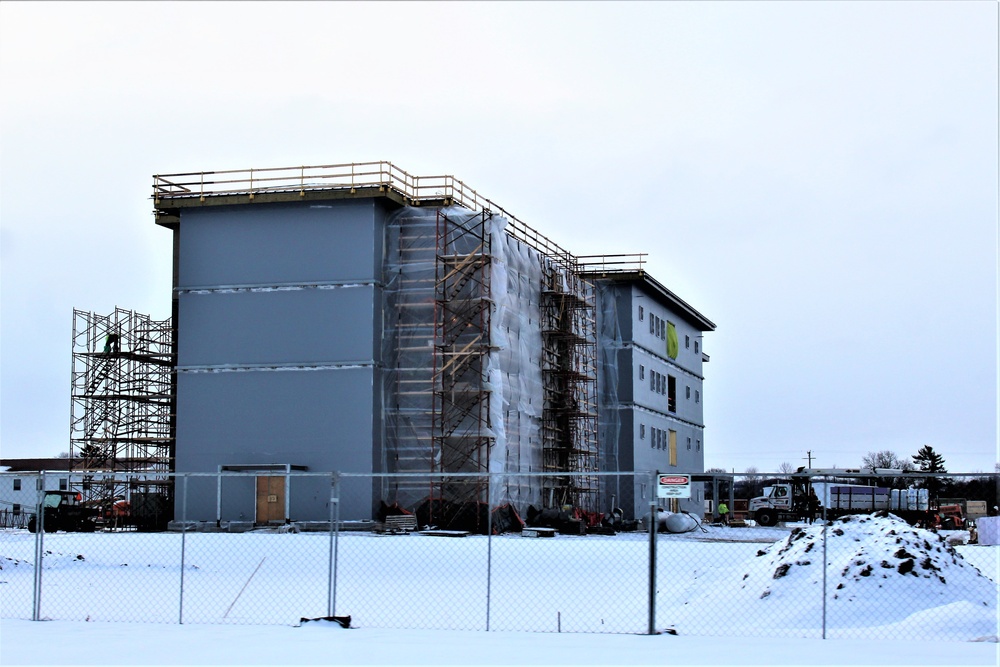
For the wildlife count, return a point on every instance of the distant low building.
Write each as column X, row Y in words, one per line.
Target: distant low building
column 19, row 484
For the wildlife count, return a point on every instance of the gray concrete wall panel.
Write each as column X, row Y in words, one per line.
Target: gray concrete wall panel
column 291, row 327
column 279, row 243
column 319, row 419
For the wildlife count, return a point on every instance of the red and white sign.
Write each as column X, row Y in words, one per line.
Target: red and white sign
column 673, row 486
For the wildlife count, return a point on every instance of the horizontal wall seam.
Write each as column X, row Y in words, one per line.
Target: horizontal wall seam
column 657, row 413
column 666, row 360
column 277, row 287
column 245, row 368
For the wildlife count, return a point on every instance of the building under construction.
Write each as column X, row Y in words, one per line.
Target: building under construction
column 360, row 319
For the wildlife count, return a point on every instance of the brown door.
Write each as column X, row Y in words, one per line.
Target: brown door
column 270, row 499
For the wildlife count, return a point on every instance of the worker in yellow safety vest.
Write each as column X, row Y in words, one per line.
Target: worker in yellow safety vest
column 724, row 513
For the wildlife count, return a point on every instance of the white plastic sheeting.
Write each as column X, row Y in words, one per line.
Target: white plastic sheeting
column 517, row 338
column 988, row 528
column 512, row 373
column 609, row 347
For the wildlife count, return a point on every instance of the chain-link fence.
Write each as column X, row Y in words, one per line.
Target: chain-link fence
column 859, row 556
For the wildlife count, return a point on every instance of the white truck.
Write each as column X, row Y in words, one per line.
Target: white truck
column 798, row 498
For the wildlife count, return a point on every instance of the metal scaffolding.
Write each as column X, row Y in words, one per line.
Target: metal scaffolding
column 461, row 356
column 569, row 418
column 121, row 409
column 461, row 433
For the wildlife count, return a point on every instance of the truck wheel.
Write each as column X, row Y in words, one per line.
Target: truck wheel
column 32, row 525
column 767, row 518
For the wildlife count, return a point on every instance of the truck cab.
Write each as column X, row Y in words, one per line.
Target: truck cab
column 782, row 501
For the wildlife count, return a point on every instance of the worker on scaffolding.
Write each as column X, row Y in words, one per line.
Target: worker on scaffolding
column 112, row 344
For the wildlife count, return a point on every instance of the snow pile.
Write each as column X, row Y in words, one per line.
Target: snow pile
column 884, row 578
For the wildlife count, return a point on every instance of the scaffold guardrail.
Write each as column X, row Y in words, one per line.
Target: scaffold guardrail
column 349, row 176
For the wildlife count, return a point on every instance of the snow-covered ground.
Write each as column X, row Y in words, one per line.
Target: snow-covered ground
column 81, row 643
column 897, row 595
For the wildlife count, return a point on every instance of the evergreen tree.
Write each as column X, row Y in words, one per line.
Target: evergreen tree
column 927, row 460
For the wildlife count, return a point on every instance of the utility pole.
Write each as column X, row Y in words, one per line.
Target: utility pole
column 809, row 458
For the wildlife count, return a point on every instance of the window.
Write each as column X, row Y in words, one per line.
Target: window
column 672, row 344
column 671, row 393
column 640, row 313
column 17, row 484
column 687, row 342
column 642, row 372
column 696, row 347
column 698, row 444
column 689, row 444
column 697, row 396
column 652, row 380
column 687, row 392
column 673, row 447
column 642, row 431
column 17, row 509
column 63, row 485
column 652, row 322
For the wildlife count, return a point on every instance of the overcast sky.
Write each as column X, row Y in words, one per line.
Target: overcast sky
column 818, row 179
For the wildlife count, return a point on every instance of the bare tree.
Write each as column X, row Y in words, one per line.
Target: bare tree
column 886, row 459
column 786, row 468
column 883, row 459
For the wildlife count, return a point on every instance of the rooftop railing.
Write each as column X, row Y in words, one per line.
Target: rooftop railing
column 351, row 177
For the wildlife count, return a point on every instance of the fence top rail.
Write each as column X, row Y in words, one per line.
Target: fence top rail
column 349, row 176
column 152, row 476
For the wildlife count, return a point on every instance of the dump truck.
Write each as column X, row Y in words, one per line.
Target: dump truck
column 798, row 498
column 65, row 511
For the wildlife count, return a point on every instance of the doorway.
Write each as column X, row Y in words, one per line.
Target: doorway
column 270, row 499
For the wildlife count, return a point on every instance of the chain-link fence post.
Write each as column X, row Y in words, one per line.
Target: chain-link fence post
column 489, row 547
column 180, row 608
column 36, row 602
column 331, row 597
column 652, row 555
column 826, row 561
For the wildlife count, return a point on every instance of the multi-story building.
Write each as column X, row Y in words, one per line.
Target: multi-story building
column 651, row 398
column 360, row 319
